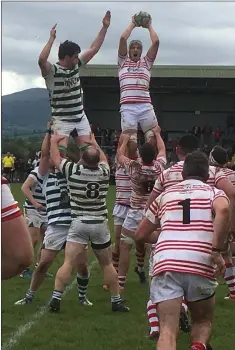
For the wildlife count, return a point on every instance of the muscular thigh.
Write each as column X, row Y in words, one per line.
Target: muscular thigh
column 75, row 254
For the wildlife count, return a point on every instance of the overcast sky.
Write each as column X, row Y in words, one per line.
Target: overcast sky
column 197, row 33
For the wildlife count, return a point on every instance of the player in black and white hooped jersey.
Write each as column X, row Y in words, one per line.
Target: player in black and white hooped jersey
column 34, row 212
column 88, row 183
column 59, row 220
column 64, row 86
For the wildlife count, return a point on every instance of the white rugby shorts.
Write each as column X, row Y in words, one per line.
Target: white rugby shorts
column 133, row 114
column 131, row 222
column 34, row 218
column 170, row 285
column 119, row 214
column 83, row 231
column 55, row 237
column 65, row 128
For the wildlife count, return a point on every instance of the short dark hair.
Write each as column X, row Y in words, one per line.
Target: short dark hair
column 91, row 156
column 220, row 155
column 196, row 165
column 147, row 153
column 188, row 143
column 68, row 48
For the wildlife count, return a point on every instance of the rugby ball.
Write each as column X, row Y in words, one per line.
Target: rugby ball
column 142, row 19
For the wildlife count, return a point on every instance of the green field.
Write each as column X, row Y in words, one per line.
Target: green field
column 32, row 327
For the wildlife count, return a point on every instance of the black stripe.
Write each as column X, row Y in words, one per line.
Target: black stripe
column 84, row 189
column 66, row 98
column 56, row 191
column 59, row 83
column 55, row 216
column 77, row 208
column 85, row 182
column 101, row 246
column 82, row 196
column 66, row 75
column 77, row 104
column 63, row 114
column 66, row 91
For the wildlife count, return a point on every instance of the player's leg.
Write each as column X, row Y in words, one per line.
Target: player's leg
column 83, row 277
column 31, row 217
column 147, row 122
column 230, row 271
column 167, row 291
column 140, row 251
column 129, row 125
column 153, row 319
column 43, row 227
column 75, row 259
column 101, row 244
column 83, row 130
column 200, row 296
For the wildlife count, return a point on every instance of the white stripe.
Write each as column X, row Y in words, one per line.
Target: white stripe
column 22, row 330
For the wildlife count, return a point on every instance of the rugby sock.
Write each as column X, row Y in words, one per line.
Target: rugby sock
column 115, row 259
column 152, row 317
column 121, row 280
column 198, row 346
column 82, row 282
column 30, row 294
column 57, row 295
column 116, row 298
column 184, row 305
column 230, row 278
column 140, row 260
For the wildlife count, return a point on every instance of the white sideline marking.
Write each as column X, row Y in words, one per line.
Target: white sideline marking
column 16, row 336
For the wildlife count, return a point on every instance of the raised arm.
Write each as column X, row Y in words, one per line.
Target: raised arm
column 160, row 143
column 43, row 63
column 153, row 50
column 122, row 50
column 122, row 147
column 55, row 153
column 97, row 43
column 45, row 152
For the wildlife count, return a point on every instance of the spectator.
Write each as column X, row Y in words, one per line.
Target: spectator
column 196, row 131
column 230, row 123
column 207, row 132
column 8, row 166
column 217, row 134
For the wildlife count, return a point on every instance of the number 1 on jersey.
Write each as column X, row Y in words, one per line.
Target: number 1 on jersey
column 186, row 210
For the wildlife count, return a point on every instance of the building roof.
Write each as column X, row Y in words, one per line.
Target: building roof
column 166, row 71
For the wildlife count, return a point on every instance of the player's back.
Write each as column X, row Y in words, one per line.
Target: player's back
column 142, row 181
column 88, row 190
column 186, row 217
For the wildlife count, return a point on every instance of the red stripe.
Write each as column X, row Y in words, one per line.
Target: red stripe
column 10, row 207
column 12, row 216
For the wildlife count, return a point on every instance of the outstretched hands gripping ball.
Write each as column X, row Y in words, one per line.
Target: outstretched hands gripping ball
column 142, row 19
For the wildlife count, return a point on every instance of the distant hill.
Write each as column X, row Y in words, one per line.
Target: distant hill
column 25, row 111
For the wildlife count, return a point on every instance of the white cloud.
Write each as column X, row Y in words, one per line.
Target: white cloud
column 199, row 33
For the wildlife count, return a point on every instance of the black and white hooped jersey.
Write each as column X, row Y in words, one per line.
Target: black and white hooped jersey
column 88, row 189
column 37, row 193
column 58, row 209
column 65, row 93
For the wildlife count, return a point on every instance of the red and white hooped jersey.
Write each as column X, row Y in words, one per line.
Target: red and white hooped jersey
column 185, row 212
column 173, row 176
column 230, row 174
column 148, row 173
column 134, row 79
column 123, row 186
column 10, row 208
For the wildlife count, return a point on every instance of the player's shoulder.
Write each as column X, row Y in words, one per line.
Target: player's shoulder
column 104, row 167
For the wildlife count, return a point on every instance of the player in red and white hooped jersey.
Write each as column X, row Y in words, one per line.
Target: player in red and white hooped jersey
column 194, row 220
column 173, row 175
column 143, row 174
column 122, row 202
column 219, row 157
column 17, row 250
column 134, row 74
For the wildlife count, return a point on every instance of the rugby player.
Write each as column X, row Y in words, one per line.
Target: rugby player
column 59, row 219
column 63, row 83
column 143, row 174
column 17, row 250
column 34, row 212
column 88, row 183
column 219, row 157
column 187, row 264
column 134, row 77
